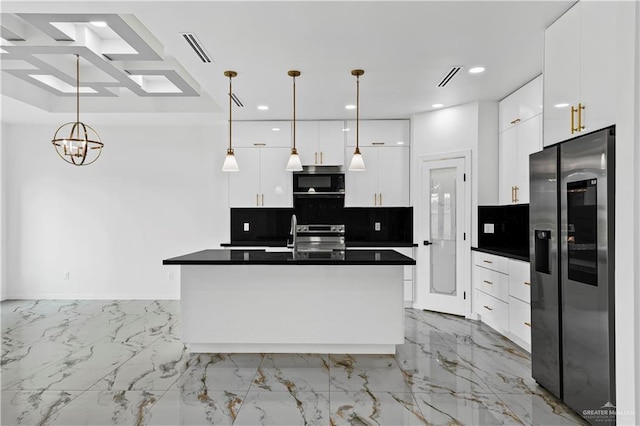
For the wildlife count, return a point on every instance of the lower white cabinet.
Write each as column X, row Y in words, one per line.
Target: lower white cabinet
column 493, row 311
column 502, row 296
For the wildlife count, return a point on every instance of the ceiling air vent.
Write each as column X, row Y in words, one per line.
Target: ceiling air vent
column 447, row 78
column 236, row 100
column 196, row 46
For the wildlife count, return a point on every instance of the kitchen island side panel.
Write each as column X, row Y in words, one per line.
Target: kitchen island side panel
column 293, row 308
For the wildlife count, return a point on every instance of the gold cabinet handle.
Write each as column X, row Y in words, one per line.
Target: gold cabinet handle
column 487, row 261
column 573, row 126
column 486, row 307
column 516, row 188
column 321, row 160
column 488, row 282
column 381, row 198
column 375, row 199
column 259, row 144
column 257, row 200
column 315, row 158
column 512, row 194
column 527, row 283
column 262, row 200
column 517, row 120
column 377, row 143
column 579, row 110
column 528, row 324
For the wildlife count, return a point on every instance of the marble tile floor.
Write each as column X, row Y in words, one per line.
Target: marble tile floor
column 95, row 362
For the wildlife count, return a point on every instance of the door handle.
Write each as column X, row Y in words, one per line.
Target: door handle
column 579, row 111
column 427, row 243
column 315, row 158
column 321, row 160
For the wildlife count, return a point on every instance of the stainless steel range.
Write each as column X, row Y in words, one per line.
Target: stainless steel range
column 319, row 238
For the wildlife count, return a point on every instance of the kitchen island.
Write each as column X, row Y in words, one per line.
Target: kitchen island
column 260, row 301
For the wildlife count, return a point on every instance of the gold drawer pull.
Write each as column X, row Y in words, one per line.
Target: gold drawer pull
column 259, row 144
column 528, row 324
column 517, row 120
column 377, row 143
column 487, row 261
column 527, row 283
column 488, row 282
column 486, row 307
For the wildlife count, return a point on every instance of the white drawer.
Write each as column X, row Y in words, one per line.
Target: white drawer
column 491, row 282
column 519, row 281
column 491, row 261
column 520, row 319
column 493, row 312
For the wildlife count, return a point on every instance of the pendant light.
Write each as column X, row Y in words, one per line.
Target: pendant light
column 83, row 146
column 230, row 163
column 357, row 162
column 294, row 164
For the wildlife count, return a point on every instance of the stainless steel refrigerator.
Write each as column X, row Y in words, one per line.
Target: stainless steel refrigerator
column 571, row 221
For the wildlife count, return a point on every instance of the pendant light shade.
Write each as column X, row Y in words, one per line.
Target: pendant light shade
column 294, row 164
column 357, row 162
column 230, row 163
column 76, row 142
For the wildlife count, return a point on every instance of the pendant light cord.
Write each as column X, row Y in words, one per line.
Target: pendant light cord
column 294, row 112
column 357, row 113
column 230, row 95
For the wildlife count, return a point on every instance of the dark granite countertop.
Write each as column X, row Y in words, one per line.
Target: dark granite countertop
column 349, row 244
column 512, row 254
column 263, row 257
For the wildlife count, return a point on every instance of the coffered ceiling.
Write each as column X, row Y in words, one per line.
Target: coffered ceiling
column 138, row 66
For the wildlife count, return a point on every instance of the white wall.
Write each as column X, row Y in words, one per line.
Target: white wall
column 3, row 291
column 472, row 126
column 627, row 241
column 156, row 192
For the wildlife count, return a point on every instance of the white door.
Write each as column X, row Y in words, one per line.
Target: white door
column 276, row 183
column 244, row 185
column 393, row 176
column 444, row 250
column 361, row 188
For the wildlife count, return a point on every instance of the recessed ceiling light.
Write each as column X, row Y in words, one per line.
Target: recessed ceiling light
column 276, row 129
column 350, row 106
column 561, row 105
column 437, row 105
column 99, row 24
column 263, row 107
column 346, row 130
column 476, row 70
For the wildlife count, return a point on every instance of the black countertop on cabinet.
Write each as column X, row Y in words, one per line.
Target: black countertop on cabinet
column 263, row 257
column 512, row 254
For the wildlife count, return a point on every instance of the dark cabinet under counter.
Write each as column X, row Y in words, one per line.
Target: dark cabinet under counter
column 504, row 230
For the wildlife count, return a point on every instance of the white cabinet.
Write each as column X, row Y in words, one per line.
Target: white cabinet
column 580, row 72
column 521, row 105
column 520, row 136
column 378, row 133
column 262, row 180
column 261, row 134
column 502, row 295
column 514, row 147
column 384, row 183
column 320, row 143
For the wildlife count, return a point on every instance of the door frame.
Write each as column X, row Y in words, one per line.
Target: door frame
column 423, row 268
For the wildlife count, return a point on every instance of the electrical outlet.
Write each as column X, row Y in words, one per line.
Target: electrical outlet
column 377, row 226
column 489, row 228
column 66, row 275
column 246, row 227
column 170, row 276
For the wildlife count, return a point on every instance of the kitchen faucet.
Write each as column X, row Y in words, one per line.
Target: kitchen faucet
column 293, row 232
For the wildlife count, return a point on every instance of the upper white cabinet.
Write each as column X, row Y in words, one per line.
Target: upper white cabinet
column 320, row 143
column 521, row 105
column 378, row 133
column 580, row 72
column 384, row 183
column 262, row 180
column 261, row 134
column 520, row 138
